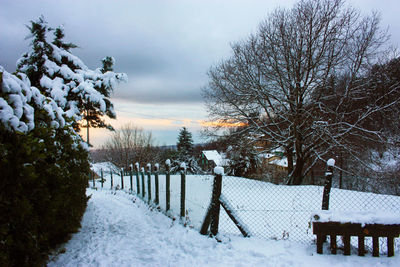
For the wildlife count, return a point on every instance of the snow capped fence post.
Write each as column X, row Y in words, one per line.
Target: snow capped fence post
column 143, row 184
column 212, row 215
column 149, row 181
column 92, row 174
column 156, row 169
column 215, row 200
column 131, row 176
column 137, row 178
column 122, row 178
column 328, row 184
column 183, row 188
column 167, row 184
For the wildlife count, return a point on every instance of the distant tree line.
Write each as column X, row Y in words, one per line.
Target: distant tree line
column 131, row 144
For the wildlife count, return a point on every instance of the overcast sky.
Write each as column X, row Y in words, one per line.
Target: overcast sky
column 165, row 48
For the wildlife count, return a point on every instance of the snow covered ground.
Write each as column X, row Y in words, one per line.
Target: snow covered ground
column 269, row 211
column 119, row 229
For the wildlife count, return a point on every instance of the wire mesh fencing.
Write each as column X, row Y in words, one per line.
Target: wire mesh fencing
column 284, row 212
column 265, row 209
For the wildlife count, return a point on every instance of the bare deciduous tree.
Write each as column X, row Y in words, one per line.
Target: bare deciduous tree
column 128, row 145
column 281, row 82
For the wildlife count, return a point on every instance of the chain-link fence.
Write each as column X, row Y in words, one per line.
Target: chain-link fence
column 264, row 209
column 284, row 212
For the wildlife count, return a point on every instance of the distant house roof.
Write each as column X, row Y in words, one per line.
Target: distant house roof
column 214, row 156
column 280, row 162
column 267, row 155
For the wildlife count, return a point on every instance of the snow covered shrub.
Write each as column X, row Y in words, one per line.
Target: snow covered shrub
column 43, row 174
column 43, row 162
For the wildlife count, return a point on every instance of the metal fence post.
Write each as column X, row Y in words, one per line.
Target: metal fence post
column 111, row 174
column 131, row 174
column 328, row 184
column 183, row 189
column 102, row 178
column 143, row 184
column 149, row 182
column 156, row 169
column 137, row 178
column 167, row 184
column 122, row 178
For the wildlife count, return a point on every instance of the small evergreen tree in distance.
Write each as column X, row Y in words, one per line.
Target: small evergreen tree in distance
column 185, row 153
column 185, row 143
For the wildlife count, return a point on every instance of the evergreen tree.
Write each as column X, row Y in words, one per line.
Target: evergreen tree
column 185, row 143
column 185, row 153
column 81, row 92
column 44, row 161
column 33, row 63
column 93, row 116
column 44, row 173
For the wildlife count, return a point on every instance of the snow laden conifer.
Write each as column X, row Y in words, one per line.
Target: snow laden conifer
column 19, row 101
column 81, row 92
column 44, row 162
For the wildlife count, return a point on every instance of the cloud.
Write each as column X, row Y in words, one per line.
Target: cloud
column 159, row 89
column 163, row 120
column 165, row 47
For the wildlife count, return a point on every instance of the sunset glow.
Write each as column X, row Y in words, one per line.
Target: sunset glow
column 220, row 123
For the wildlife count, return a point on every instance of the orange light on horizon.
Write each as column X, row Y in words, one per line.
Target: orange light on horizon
column 220, row 123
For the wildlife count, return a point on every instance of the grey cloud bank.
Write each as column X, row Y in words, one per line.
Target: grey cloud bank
column 165, row 47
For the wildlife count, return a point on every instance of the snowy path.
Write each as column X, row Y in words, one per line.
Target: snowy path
column 119, row 230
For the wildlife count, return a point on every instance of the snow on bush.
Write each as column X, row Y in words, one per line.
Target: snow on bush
column 65, row 78
column 83, row 83
column 18, row 101
column 183, row 166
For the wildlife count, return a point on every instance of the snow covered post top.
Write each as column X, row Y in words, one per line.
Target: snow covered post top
column 137, row 166
column 219, row 170
column 167, row 165
column 182, row 167
column 148, row 166
column 156, row 167
column 330, row 164
column 328, row 184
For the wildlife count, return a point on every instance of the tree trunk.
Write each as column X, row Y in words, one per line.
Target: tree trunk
column 87, row 125
column 289, row 156
column 297, row 174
